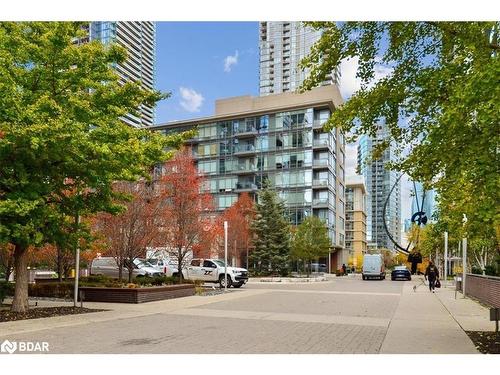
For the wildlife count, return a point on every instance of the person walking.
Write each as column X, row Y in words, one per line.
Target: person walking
column 344, row 269
column 431, row 274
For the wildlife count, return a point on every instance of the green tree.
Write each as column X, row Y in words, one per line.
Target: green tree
column 310, row 241
column 62, row 143
column 439, row 99
column 272, row 233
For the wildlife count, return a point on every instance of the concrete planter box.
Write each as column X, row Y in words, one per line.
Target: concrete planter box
column 136, row 295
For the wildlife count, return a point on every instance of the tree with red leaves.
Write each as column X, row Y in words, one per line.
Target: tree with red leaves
column 187, row 212
column 239, row 217
column 137, row 227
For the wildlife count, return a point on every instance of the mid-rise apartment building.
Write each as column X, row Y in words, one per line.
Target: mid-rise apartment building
column 139, row 39
column 282, row 46
column 355, row 216
column 278, row 138
column 379, row 181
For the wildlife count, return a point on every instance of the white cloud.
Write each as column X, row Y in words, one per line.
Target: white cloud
column 191, row 100
column 349, row 83
column 229, row 61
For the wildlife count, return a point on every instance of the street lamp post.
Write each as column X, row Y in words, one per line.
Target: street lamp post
column 464, row 256
column 225, row 256
column 445, row 259
column 77, row 266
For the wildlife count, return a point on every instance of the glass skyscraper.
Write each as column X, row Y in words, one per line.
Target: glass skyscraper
column 282, row 45
column 139, row 39
column 379, row 181
column 278, row 138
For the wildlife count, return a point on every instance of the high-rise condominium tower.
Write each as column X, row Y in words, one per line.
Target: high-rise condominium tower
column 278, row 139
column 139, row 39
column 282, row 45
column 379, row 182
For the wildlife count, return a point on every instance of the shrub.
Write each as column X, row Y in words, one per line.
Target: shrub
column 490, row 270
column 53, row 290
column 6, row 289
column 477, row 271
column 156, row 281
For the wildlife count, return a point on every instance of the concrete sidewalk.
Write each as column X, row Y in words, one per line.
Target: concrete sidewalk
column 423, row 325
column 468, row 313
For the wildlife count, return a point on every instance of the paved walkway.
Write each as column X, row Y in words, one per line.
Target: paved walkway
column 422, row 324
column 344, row 315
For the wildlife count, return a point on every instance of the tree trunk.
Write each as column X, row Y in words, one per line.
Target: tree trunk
column 179, row 264
column 59, row 263
column 120, row 270
column 20, row 301
column 130, row 271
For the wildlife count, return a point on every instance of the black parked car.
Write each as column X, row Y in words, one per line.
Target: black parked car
column 400, row 272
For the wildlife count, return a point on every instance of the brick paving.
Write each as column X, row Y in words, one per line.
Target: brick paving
column 340, row 316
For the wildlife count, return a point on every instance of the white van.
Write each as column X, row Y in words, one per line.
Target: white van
column 373, row 266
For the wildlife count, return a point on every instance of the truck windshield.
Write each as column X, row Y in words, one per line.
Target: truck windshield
column 220, row 263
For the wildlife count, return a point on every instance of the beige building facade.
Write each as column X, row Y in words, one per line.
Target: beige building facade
column 355, row 229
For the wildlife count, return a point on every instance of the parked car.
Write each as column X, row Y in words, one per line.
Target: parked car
column 212, row 271
column 107, row 266
column 400, row 272
column 373, row 267
column 162, row 265
column 319, row 267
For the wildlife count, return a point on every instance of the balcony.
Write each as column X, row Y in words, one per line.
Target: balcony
column 246, row 186
column 320, row 202
column 320, row 143
column 246, row 131
column 320, row 163
column 244, row 149
column 246, row 169
column 320, row 183
column 317, row 124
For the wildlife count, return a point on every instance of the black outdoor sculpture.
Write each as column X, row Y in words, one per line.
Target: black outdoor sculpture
column 420, row 218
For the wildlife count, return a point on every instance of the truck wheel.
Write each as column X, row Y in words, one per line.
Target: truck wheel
column 222, row 281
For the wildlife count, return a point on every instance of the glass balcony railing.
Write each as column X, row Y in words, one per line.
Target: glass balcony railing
column 318, row 124
column 320, row 201
column 320, row 182
column 246, row 186
column 244, row 148
column 320, row 142
column 320, row 162
column 247, row 168
column 246, row 129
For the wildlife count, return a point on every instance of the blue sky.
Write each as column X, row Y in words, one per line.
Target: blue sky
column 200, row 62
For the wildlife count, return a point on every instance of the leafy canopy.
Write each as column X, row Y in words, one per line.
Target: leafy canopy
column 439, row 98
column 310, row 241
column 62, row 143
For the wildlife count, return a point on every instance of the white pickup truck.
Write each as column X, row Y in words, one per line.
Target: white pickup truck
column 212, row 271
